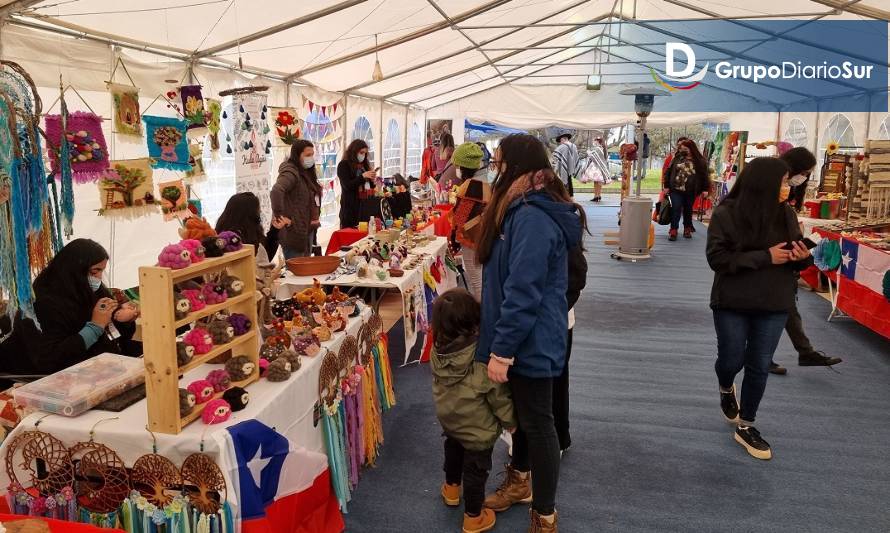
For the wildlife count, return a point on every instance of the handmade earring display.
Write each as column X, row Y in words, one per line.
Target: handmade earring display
column 184, row 353
column 240, row 368
column 174, row 256
column 221, row 332
column 237, row 397
column 240, row 323
column 202, row 389
column 181, row 305
column 187, row 401
column 279, row 370
column 214, row 293
column 232, row 284
column 233, row 241
column 195, row 248
column 220, row 380
column 214, row 246
column 216, row 412
column 200, row 340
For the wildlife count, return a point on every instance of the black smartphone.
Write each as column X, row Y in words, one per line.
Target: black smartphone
column 806, row 242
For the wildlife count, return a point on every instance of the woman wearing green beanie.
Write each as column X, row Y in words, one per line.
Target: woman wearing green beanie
column 472, row 196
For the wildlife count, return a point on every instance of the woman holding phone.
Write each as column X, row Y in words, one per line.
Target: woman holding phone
column 755, row 249
column 357, row 181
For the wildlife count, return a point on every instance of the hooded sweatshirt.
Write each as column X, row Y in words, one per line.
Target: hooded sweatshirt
column 524, row 283
column 471, row 408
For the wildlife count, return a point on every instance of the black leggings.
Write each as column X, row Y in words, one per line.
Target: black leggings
column 470, row 467
column 535, row 444
column 561, row 401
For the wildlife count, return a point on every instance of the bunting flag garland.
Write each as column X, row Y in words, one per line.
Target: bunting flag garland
column 167, row 143
column 86, row 153
column 127, row 119
column 193, row 106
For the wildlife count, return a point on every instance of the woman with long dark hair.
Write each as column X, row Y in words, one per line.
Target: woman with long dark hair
column 686, row 178
column 357, row 181
column 527, row 230
column 755, row 250
column 443, row 154
column 242, row 215
column 296, row 200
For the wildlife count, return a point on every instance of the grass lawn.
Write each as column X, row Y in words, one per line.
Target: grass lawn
column 652, row 182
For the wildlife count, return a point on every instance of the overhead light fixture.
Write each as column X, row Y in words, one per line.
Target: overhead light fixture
column 594, row 82
column 377, row 75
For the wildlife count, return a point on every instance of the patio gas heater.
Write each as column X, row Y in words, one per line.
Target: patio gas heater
column 636, row 210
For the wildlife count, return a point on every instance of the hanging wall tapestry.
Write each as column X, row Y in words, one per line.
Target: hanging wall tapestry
column 247, row 130
column 193, row 106
column 127, row 119
column 129, row 191
column 86, row 146
column 196, row 153
column 287, row 129
column 174, row 200
column 214, row 110
column 167, row 144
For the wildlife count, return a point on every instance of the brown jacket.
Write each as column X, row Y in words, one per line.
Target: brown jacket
column 296, row 195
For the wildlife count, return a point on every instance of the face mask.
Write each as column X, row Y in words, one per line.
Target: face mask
column 308, row 162
column 458, row 173
column 784, row 192
column 95, row 283
column 492, row 175
column 360, row 158
column 797, row 180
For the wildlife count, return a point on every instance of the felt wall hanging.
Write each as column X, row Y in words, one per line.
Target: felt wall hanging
column 213, row 115
column 284, row 122
column 167, row 143
column 196, row 153
column 193, row 106
column 127, row 119
column 87, row 150
column 174, row 200
column 128, row 192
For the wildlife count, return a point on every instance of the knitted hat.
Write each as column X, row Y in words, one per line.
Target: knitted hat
column 467, row 155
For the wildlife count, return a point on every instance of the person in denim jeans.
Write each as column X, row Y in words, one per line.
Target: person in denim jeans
column 755, row 250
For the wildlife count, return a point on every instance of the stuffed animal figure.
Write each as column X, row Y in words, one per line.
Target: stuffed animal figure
column 220, row 380
column 184, row 353
column 216, row 412
column 199, row 339
column 221, row 332
column 279, row 370
column 293, row 358
column 312, row 295
column 322, row 333
column 195, row 248
column 237, row 397
column 337, row 296
column 214, row 293
column 307, row 345
column 181, row 305
column 233, row 241
column 283, row 309
column 196, row 228
column 232, row 284
column 240, row 323
column 264, row 367
column 202, row 389
column 187, row 401
column 271, row 352
column 240, row 368
column 214, row 246
column 195, row 298
column 281, row 336
column 174, row 256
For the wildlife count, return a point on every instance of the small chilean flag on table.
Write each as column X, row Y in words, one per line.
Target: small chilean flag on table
column 280, row 488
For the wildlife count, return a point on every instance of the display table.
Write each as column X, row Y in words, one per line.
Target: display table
column 347, row 236
column 59, row 526
column 287, row 407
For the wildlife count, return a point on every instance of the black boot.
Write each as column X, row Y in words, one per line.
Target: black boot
column 777, row 369
column 815, row 358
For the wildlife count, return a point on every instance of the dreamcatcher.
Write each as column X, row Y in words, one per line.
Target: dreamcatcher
column 102, row 482
column 45, row 489
column 155, row 477
column 203, row 483
column 372, row 431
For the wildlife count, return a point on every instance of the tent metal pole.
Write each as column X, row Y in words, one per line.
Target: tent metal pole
column 382, row 141
column 850, row 7
column 414, row 68
column 278, row 28
column 405, row 38
column 15, row 7
column 405, row 146
column 346, row 123
column 476, row 45
column 563, row 24
column 868, row 119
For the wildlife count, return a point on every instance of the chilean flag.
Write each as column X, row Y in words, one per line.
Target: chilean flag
column 280, row 488
column 860, row 293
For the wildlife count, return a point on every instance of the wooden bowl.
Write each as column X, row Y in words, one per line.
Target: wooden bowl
column 313, row 266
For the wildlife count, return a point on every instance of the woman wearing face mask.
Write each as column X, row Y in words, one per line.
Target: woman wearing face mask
column 685, row 179
column 357, row 181
column 77, row 316
column 296, row 200
column 472, row 196
column 755, row 249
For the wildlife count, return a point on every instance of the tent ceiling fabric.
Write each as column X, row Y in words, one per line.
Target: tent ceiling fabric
column 481, row 44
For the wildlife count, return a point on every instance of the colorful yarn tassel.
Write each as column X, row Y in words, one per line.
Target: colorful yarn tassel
column 66, row 174
column 384, row 374
column 24, row 295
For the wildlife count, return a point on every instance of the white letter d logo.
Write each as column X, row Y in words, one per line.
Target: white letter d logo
column 669, row 50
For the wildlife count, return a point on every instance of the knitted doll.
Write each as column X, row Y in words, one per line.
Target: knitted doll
column 279, row 370
column 195, row 248
column 202, row 389
column 181, row 305
column 240, row 368
column 187, row 401
column 196, row 228
column 232, row 284
column 199, row 339
column 233, row 241
column 174, row 256
column 240, row 323
column 184, row 353
column 271, row 352
column 214, row 293
column 220, row 380
column 307, row 345
column 195, row 298
column 237, row 397
column 293, row 358
column 216, row 412
column 214, row 246
column 283, row 309
column 221, row 332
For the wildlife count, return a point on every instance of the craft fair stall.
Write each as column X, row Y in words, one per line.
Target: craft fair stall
column 436, row 225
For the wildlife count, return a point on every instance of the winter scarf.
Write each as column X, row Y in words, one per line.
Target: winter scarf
column 523, row 185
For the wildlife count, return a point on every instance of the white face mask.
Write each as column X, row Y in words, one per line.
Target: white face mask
column 797, row 180
column 492, row 175
column 308, row 162
column 361, row 158
column 458, row 173
column 95, row 283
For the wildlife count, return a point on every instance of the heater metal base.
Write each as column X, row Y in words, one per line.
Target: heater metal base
column 633, row 258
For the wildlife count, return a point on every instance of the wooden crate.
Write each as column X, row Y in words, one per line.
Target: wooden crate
column 159, row 327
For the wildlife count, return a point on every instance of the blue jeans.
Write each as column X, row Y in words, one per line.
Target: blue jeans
column 290, row 253
column 747, row 340
column 681, row 205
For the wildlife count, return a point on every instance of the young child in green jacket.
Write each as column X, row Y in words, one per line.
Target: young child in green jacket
column 471, row 408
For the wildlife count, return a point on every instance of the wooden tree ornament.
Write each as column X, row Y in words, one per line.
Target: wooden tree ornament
column 102, row 477
column 366, row 342
column 347, row 356
column 156, row 478
column 328, row 378
column 203, row 483
column 43, row 458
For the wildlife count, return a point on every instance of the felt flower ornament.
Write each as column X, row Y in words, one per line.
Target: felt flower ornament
column 832, row 148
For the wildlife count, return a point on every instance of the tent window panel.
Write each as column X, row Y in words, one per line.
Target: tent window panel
column 840, row 130
column 796, row 134
column 415, row 151
column 363, row 131
column 319, row 129
column 392, row 149
column 884, row 129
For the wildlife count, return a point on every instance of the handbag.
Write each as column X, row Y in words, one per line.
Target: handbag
column 663, row 209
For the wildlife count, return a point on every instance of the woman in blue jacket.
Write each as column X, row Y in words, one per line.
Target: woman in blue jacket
column 527, row 230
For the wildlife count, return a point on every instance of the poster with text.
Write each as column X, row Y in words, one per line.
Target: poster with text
column 247, row 130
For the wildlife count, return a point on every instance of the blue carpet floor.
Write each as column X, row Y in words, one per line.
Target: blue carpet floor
column 651, row 451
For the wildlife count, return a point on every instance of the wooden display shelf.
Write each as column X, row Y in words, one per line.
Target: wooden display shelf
column 217, row 351
column 211, row 309
column 210, row 265
column 199, row 408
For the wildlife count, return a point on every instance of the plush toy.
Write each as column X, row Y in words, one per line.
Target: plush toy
column 186, row 402
column 214, row 293
column 184, row 353
column 195, row 248
column 293, row 358
column 181, row 305
column 312, row 295
column 220, row 380
column 279, row 370
column 240, row 323
column 237, row 397
column 264, row 367
column 233, row 241
column 216, row 412
column 196, row 228
column 337, row 296
column 240, row 368
column 202, row 389
column 307, row 345
column 214, row 246
column 195, row 298
column 283, row 309
column 271, row 352
column 281, row 336
column 232, row 284
column 221, row 332
column 174, row 256
column 322, row 333
column 199, row 339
